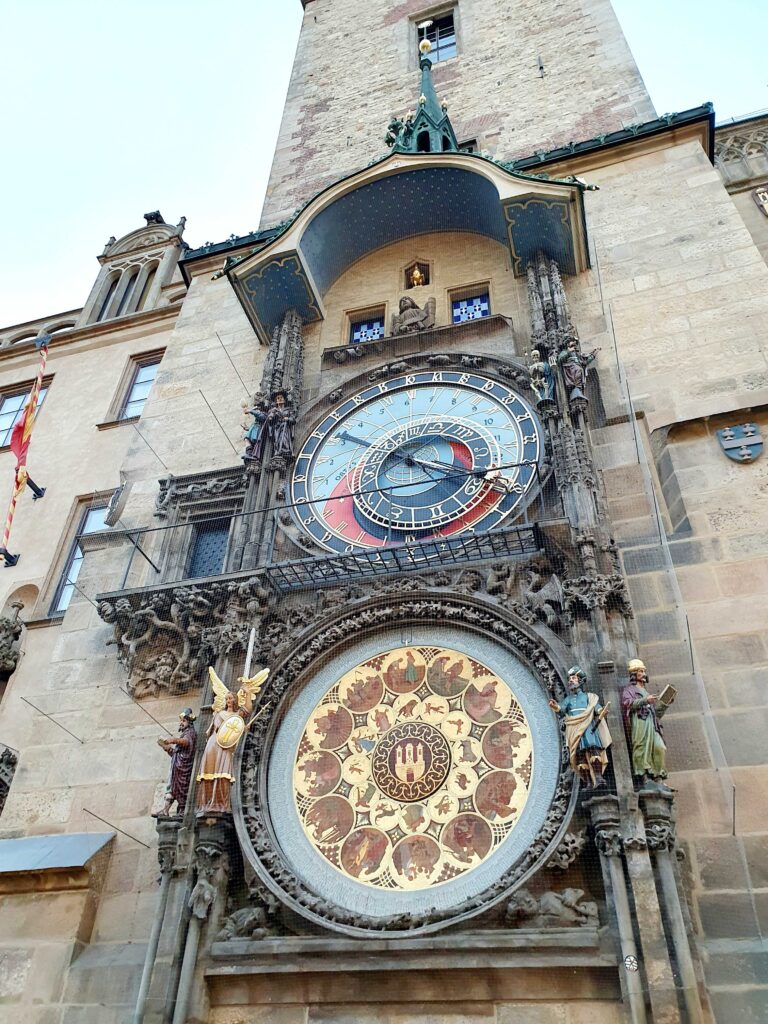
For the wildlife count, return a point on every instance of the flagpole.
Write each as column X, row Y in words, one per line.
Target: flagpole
column 20, row 478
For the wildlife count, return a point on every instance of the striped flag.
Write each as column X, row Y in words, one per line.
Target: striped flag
column 21, row 435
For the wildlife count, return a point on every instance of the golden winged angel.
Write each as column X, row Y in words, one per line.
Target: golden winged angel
column 230, row 714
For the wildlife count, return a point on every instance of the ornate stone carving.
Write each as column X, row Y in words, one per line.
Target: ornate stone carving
column 568, row 851
column 412, row 317
column 195, row 487
column 585, row 593
column 258, row 920
column 566, row 909
column 293, row 656
column 167, row 840
column 165, row 638
column 609, row 842
column 8, row 762
column 10, row 632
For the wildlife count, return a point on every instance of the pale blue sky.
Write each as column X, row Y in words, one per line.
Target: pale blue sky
column 111, row 110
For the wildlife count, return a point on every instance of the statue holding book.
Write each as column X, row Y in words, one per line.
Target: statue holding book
column 643, row 712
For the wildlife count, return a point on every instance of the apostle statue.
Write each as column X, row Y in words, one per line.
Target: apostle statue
column 574, row 365
column 542, row 378
column 586, row 733
column 412, row 317
column 230, row 714
column 280, row 423
column 642, row 713
column 256, row 435
column 181, row 751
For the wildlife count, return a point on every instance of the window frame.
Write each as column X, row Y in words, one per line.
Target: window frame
column 116, row 412
column 435, row 14
column 472, row 291
column 24, row 390
column 352, row 317
column 85, row 508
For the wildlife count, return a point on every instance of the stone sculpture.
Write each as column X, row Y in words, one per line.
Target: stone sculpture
column 586, row 733
column 256, row 435
column 542, row 378
column 281, row 421
column 181, row 751
column 642, row 713
column 574, row 365
column 230, row 714
column 552, row 909
column 412, row 317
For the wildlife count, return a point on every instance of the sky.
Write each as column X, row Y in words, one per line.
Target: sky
column 110, row 110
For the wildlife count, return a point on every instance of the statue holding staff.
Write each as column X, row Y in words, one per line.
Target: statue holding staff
column 586, row 733
column 181, row 751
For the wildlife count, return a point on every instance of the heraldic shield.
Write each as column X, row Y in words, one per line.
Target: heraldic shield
column 743, row 443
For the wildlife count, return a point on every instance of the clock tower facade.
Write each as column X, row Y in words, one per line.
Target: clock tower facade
column 456, row 637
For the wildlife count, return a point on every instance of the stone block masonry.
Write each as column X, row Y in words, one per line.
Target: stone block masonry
column 494, row 88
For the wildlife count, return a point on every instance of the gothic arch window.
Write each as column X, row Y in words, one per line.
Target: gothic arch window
column 423, row 142
column 110, row 287
column 150, row 273
column 131, row 276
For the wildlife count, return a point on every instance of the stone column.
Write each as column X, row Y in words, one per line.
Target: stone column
column 660, row 837
column 604, row 811
column 167, row 840
column 215, row 833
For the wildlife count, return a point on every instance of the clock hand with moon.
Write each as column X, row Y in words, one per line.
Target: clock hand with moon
column 417, row 458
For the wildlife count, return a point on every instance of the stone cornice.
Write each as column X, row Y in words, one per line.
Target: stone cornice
column 96, row 331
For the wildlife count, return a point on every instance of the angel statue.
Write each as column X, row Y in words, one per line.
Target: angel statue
column 230, row 715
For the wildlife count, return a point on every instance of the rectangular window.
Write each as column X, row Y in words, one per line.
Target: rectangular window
column 473, row 308
column 12, row 409
column 442, row 34
column 366, row 330
column 141, row 384
column 209, row 548
column 91, row 521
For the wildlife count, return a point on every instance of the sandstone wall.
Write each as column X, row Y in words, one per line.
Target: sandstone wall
column 356, row 64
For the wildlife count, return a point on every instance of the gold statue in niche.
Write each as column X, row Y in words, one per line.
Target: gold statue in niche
column 413, row 768
column 230, row 715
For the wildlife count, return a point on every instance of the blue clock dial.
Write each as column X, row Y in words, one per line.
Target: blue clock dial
column 427, row 455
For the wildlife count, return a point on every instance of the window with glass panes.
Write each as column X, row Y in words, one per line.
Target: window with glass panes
column 209, row 548
column 473, row 308
column 92, row 520
column 12, row 409
column 143, row 379
column 442, row 34
column 366, row 330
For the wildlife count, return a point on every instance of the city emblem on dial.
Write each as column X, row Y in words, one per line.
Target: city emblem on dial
column 423, row 456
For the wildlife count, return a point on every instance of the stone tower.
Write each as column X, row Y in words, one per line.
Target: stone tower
column 527, row 76
column 495, row 525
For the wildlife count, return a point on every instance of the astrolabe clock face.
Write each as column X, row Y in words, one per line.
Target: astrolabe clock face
column 413, row 768
column 422, row 456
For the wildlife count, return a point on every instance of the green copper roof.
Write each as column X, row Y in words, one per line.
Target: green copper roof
column 429, row 130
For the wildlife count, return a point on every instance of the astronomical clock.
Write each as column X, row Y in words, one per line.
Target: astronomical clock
column 418, row 457
column 412, row 772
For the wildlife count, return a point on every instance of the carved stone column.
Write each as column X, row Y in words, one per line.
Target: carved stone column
column 604, row 811
column 167, row 842
column 283, row 372
column 215, row 835
column 660, row 836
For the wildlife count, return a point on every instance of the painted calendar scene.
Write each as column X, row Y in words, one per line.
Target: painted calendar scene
column 413, row 768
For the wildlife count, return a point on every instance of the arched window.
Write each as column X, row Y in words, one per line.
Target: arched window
column 103, row 308
column 422, row 143
column 150, row 277
column 128, row 291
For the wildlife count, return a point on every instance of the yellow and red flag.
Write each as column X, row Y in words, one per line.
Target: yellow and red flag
column 21, row 435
